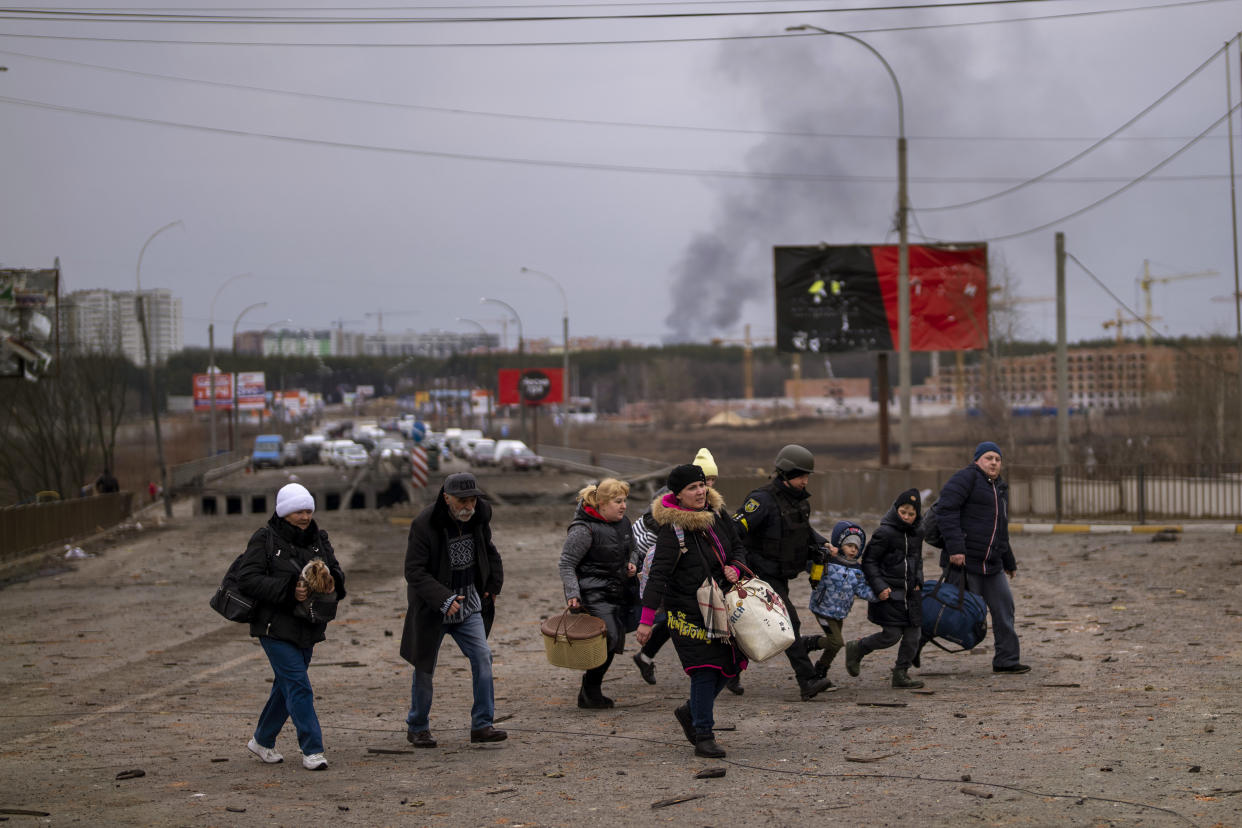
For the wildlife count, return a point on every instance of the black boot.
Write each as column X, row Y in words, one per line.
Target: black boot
column 812, row 687
column 705, row 745
column 591, row 698
column 902, row 680
column 814, row 642
column 734, row 685
column 687, row 724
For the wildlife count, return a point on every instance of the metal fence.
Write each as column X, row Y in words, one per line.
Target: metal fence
column 1130, row 494
column 1194, row 491
column 23, row 528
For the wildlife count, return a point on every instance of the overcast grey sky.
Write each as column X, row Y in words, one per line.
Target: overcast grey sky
column 649, row 164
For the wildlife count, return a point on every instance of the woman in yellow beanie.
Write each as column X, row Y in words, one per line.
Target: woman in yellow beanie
column 707, row 463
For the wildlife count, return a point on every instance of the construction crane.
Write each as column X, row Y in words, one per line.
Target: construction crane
column 1121, row 321
column 748, row 358
column 1147, row 280
column 379, row 317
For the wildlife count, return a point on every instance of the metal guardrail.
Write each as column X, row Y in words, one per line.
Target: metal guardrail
column 599, row 465
column 196, row 472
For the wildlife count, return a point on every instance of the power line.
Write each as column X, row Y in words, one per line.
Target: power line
column 119, row 16
column 578, row 165
column 1086, row 151
column 1132, row 183
column 620, row 42
column 1182, row 349
column 566, row 120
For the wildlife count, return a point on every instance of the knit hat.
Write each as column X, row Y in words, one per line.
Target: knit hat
column 848, row 532
column 293, row 498
column 986, row 446
column 706, row 462
column 910, row 497
column 682, row 476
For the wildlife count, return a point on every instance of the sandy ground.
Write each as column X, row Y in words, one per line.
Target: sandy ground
column 1130, row 716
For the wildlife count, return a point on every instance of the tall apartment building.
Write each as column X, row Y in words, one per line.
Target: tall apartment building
column 105, row 321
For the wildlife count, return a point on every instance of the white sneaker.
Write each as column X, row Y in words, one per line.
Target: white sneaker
column 315, row 761
column 268, row 755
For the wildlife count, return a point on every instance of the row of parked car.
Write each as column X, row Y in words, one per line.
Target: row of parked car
column 352, row 445
column 472, row 446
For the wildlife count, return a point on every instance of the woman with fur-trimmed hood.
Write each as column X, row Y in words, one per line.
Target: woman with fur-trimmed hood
column 695, row 541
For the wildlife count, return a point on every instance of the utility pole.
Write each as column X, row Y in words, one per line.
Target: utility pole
column 1063, row 452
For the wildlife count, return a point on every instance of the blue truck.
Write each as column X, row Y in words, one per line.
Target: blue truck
column 268, row 451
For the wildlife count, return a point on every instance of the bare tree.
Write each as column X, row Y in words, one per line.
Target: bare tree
column 107, row 382
column 48, row 439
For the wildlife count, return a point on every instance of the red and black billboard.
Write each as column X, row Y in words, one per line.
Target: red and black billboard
column 832, row 298
column 533, row 386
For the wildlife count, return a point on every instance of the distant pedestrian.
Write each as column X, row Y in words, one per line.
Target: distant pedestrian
column 107, row 483
column 153, row 490
column 973, row 516
column 271, row 572
column 453, row 575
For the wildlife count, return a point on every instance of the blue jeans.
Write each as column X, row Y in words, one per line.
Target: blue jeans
column 705, row 685
column 994, row 589
column 291, row 697
column 473, row 645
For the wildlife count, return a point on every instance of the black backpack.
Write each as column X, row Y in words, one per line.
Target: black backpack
column 229, row 600
column 930, row 527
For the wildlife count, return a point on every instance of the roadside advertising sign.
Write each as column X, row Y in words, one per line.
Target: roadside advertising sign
column 251, row 391
column 202, row 391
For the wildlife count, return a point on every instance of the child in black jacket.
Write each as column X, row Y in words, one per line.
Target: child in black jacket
column 893, row 565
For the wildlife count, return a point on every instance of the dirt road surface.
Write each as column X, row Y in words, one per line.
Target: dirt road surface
column 1131, row 715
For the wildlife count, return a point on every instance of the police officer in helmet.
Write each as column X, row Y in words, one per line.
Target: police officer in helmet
column 775, row 526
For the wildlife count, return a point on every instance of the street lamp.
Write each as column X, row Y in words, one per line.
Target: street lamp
column 564, row 354
column 233, row 420
column 211, row 358
column 487, row 346
column 521, row 358
column 903, row 250
column 146, row 350
column 237, row 321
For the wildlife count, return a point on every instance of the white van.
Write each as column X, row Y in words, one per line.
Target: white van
column 504, row 448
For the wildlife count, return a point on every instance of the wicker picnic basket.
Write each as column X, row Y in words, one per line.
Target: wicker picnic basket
column 575, row 640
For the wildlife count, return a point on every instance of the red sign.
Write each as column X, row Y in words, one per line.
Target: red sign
column 533, row 386
column 833, row 298
column 202, row 391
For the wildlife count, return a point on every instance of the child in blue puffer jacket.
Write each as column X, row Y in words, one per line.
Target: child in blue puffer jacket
column 833, row 596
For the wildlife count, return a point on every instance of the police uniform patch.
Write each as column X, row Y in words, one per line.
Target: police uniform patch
column 751, row 505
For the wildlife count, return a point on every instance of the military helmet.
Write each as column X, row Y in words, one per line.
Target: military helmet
column 795, row 459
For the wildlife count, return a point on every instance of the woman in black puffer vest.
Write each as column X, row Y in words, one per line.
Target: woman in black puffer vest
column 595, row 564
column 270, row 572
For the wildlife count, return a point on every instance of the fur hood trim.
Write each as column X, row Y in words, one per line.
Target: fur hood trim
column 689, row 521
